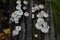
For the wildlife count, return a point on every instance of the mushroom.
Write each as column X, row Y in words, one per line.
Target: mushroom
column 26, row 14
column 18, row 28
column 33, row 15
column 24, row 8
column 18, row 7
column 25, row 2
column 40, row 20
column 15, row 32
column 18, row 2
column 45, row 29
column 19, row 12
column 41, row 6
column 44, row 14
column 36, row 35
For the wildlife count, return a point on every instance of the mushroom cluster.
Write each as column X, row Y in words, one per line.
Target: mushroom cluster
column 37, row 7
column 17, row 14
column 42, row 14
column 16, row 31
column 41, row 23
column 26, row 13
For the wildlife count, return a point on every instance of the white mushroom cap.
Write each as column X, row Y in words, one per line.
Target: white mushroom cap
column 36, row 8
column 19, row 12
column 24, row 8
column 40, row 20
column 44, row 30
column 39, row 15
column 44, row 24
column 13, row 15
column 15, row 32
column 18, row 2
column 36, row 35
column 44, row 14
column 33, row 11
column 25, row 2
column 41, row 25
column 18, row 7
column 26, row 14
column 16, row 20
column 32, row 15
column 38, row 26
column 41, row 6
column 18, row 28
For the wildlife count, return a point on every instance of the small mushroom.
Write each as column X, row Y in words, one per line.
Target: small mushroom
column 18, row 28
column 40, row 20
column 13, row 15
column 39, row 15
column 18, row 2
column 44, row 14
column 26, row 14
column 41, row 6
column 44, row 30
column 38, row 26
column 19, row 12
column 25, row 2
column 36, row 7
column 33, row 15
column 24, row 8
column 36, row 35
column 15, row 32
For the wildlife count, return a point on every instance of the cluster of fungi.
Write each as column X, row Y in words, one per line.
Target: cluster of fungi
column 22, row 12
